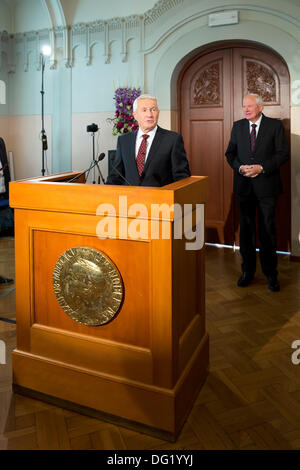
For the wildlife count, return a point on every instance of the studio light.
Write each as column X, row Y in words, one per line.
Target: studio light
column 46, row 50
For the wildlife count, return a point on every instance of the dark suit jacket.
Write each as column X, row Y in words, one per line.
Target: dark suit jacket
column 166, row 161
column 271, row 151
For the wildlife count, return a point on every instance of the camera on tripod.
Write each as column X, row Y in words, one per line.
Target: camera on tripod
column 92, row 128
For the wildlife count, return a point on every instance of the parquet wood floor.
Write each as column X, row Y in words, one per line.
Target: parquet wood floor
column 250, row 400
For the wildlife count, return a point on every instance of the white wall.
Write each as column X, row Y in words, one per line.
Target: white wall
column 2, row 92
column 29, row 14
column 5, row 17
column 23, row 138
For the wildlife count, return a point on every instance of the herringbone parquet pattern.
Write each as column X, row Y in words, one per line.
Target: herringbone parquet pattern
column 250, row 400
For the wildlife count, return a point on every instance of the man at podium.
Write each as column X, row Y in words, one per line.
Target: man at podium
column 150, row 156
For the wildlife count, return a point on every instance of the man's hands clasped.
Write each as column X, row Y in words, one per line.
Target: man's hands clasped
column 251, row 171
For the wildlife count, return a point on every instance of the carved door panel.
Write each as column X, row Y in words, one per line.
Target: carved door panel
column 211, row 90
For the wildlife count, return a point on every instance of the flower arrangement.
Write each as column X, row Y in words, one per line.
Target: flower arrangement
column 124, row 120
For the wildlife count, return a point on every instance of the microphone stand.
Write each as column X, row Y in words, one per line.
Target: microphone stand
column 43, row 133
column 101, row 176
column 114, row 168
column 92, row 164
column 95, row 163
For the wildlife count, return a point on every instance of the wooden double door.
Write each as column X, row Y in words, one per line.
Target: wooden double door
column 211, row 88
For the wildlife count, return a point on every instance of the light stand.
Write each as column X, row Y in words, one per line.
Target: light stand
column 94, row 161
column 46, row 51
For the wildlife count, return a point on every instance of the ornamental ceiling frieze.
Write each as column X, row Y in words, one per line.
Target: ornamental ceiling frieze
column 68, row 38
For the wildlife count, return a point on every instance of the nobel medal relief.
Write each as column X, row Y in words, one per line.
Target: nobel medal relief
column 88, row 286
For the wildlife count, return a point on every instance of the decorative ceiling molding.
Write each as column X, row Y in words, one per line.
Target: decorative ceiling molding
column 132, row 21
column 86, row 35
column 233, row 6
column 6, row 49
column 57, row 18
column 161, row 7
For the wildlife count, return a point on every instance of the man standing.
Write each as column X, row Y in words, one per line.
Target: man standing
column 151, row 156
column 256, row 150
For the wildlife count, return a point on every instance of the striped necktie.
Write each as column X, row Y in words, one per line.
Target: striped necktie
column 253, row 137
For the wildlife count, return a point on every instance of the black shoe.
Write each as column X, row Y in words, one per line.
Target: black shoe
column 245, row 279
column 5, row 281
column 273, row 284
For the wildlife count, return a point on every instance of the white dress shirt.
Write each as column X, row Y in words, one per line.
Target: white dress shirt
column 257, row 125
column 256, row 130
column 149, row 141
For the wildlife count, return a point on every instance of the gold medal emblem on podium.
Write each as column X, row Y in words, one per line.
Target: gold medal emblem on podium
column 88, row 286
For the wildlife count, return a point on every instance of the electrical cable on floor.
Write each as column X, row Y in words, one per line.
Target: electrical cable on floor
column 8, row 320
column 236, row 247
column 7, row 292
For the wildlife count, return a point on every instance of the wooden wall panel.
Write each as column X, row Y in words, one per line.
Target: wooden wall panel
column 210, row 163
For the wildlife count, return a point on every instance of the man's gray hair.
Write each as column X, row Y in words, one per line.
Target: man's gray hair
column 257, row 97
column 143, row 97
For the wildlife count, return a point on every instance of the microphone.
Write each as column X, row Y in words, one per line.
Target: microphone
column 83, row 172
column 95, row 163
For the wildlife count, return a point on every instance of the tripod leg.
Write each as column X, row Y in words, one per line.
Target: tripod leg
column 100, row 174
column 94, row 181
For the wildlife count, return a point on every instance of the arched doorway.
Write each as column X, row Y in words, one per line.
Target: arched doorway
column 210, row 91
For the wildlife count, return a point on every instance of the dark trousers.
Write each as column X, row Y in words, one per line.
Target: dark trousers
column 265, row 209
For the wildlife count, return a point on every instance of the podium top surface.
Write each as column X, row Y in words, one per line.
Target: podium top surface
column 55, row 193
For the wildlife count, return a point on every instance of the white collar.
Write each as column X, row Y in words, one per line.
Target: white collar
column 257, row 123
column 150, row 133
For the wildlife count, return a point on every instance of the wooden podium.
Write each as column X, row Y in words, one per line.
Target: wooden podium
column 144, row 368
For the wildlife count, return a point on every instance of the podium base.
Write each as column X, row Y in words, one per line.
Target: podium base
column 143, row 408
